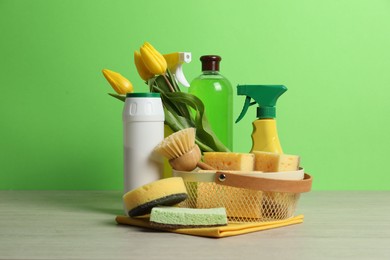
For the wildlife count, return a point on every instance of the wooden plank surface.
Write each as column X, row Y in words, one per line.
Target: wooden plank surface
column 81, row 225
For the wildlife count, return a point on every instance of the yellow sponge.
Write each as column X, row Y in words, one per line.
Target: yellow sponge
column 164, row 192
column 229, row 161
column 274, row 162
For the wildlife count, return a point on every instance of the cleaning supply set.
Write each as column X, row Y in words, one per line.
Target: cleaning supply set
column 213, row 192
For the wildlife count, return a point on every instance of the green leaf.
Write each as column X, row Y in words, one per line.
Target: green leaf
column 180, row 109
column 176, row 122
column 120, row 97
column 171, row 121
column 167, row 103
column 162, row 84
column 173, row 81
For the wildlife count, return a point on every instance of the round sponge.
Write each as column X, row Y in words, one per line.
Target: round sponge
column 164, row 192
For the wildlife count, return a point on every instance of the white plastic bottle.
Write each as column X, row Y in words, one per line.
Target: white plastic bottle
column 143, row 130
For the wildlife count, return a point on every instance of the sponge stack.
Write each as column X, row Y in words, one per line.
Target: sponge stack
column 274, row 162
column 229, row 161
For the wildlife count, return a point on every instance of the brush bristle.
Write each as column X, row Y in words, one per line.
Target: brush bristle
column 177, row 143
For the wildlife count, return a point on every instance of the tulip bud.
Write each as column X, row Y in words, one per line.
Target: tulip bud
column 143, row 71
column 120, row 84
column 153, row 60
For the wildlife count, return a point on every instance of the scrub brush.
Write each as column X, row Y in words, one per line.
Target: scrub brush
column 182, row 152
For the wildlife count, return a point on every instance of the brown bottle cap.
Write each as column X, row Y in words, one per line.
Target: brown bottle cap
column 210, row 62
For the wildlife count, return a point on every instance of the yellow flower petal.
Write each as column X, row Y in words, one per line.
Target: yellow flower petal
column 152, row 59
column 120, row 84
column 143, row 71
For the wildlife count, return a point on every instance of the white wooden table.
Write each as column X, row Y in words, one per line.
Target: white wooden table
column 81, row 225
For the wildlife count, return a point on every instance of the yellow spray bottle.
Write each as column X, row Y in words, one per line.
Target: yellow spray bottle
column 265, row 134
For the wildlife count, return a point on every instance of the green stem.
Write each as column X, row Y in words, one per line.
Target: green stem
column 169, row 83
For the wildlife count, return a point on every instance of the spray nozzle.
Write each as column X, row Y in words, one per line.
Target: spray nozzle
column 175, row 61
column 264, row 95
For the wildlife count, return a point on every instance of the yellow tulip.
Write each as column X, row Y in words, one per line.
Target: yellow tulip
column 143, row 71
column 153, row 60
column 120, row 84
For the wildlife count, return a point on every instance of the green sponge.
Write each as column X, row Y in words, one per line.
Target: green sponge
column 173, row 217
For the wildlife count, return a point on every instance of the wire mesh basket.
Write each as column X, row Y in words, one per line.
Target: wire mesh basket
column 246, row 198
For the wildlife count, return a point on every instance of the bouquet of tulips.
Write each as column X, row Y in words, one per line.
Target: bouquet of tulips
column 182, row 110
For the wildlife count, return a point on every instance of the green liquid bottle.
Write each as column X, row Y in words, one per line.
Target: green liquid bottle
column 216, row 93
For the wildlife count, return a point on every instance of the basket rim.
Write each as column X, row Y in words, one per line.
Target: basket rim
column 209, row 176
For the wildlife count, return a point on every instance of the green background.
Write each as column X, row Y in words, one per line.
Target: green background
column 60, row 130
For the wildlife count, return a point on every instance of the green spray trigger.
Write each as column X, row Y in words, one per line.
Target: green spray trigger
column 247, row 104
column 264, row 95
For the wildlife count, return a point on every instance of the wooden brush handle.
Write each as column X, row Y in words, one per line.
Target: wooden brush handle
column 204, row 166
